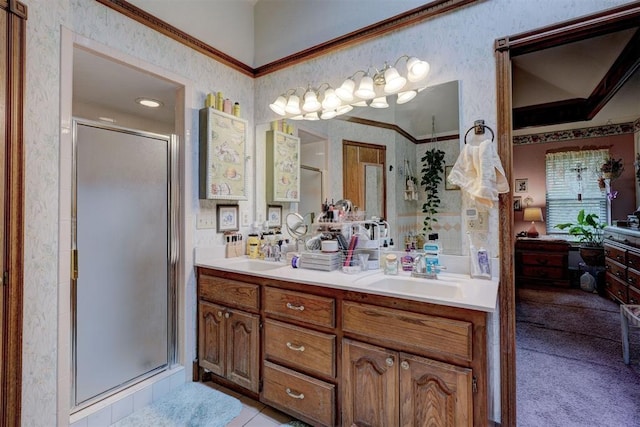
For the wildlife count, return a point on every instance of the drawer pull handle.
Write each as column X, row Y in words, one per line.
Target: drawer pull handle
column 295, row 307
column 632, row 301
column 404, row 365
column 295, row 347
column 631, row 280
column 389, row 361
column 294, row 394
column 618, row 274
column 619, row 258
column 619, row 293
column 227, row 315
column 219, row 314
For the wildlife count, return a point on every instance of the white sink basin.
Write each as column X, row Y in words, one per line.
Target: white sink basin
column 253, row 265
column 418, row 286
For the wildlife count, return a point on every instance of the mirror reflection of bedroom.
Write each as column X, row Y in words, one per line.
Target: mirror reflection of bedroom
column 576, row 137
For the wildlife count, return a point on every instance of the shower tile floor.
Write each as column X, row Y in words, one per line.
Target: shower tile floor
column 254, row 413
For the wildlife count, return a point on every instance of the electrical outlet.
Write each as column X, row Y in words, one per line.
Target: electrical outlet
column 205, row 221
column 246, row 219
column 481, row 223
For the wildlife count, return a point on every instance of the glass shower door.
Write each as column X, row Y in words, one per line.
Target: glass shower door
column 122, row 313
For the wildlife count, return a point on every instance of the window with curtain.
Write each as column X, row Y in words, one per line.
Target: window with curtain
column 572, row 185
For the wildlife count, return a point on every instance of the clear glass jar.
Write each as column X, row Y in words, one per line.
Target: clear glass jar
column 391, row 264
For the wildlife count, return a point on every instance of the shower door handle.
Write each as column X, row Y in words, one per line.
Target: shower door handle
column 74, row 264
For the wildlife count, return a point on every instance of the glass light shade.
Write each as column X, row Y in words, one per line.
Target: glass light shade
column 394, row 81
column 328, row 114
column 344, row 109
column 380, row 102
column 417, row 69
column 299, row 117
column 365, row 90
column 360, row 104
column 293, row 105
column 345, row 91
column 406, row 96
column 278, row 105
column 311, row 103
column 331, row 100
column 312, row 116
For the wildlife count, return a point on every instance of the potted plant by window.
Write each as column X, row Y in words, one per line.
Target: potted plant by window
column 612, row 168
column 589, row 232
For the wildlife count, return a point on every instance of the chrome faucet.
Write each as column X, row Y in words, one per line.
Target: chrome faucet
column 423, row 270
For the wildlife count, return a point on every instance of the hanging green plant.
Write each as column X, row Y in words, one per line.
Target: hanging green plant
column 432, row 174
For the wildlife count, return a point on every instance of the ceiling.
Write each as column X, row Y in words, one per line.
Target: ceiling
column 561, row 77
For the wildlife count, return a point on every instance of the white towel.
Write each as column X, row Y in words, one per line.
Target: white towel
column 479, row 172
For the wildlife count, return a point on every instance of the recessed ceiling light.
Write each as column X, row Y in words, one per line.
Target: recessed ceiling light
column 148, row 102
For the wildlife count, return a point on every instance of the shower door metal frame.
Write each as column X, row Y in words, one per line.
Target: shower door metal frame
column 173, row 238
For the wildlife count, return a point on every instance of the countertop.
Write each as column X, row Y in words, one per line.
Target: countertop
column 450, row 289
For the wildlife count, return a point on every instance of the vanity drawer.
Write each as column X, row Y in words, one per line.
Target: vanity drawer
column 615, row 253
column 410, row 331
column 544, row 259
column 633, row 277
column 309, row 350
column 229, row 292
column 311, row 309
column 633, row 259
column 298, row 393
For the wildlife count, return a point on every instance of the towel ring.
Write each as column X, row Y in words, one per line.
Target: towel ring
column 479, row 126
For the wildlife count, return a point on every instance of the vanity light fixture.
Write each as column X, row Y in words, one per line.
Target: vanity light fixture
column 149, row 102
column 372, row 89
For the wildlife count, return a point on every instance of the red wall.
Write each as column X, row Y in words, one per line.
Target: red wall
column 529, row 162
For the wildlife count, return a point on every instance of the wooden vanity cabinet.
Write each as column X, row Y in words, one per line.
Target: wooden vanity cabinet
column 229, row 337
column 334, row 357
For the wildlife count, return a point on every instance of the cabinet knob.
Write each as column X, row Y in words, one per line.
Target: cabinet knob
column 389, row 361
column 618, row 274
column 219, row 314
column 632, row 301
column 295, row 307
column 295, row 347
column 294, row 394
column 404, row 365
column 227, row 315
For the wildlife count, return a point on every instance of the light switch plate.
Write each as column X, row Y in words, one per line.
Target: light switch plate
column 246, row 219
column 205, row 221
column 481, row 223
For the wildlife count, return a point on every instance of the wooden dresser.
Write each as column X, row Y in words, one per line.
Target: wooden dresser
column 542, row 262
column 622, row 264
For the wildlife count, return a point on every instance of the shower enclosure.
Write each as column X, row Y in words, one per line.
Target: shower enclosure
column 124, row 258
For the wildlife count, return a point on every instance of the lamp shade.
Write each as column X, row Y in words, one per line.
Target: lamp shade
column 533, row 214
column 365, row 90
column 278, row 105
column 293, row 105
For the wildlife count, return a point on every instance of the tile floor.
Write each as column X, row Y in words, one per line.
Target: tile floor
column 254, row 413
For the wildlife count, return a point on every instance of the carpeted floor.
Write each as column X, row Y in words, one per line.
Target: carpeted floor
column 569, row 361
column 192, row 405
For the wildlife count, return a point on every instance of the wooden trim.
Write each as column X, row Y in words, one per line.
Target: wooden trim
column 506, row 290
column 411, row 17
column 11, row 367
column 176, row 34
column 394, row 127
column 398, row 22
column 604, row 22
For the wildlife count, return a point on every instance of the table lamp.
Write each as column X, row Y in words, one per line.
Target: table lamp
column 533, row 215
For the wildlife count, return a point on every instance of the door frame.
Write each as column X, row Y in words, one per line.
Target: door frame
column 11, row 283
column 588, row 26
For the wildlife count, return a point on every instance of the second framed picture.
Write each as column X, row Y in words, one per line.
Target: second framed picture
column 227, row 218
column 274, row 216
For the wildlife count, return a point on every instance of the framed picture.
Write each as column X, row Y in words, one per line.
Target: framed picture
column 223, row 154
column 517, row 203
column 522, row 185
column 227, row 218
column 447, row 184
column 274, row 216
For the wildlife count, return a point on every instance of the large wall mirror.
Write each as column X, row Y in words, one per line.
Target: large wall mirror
column 404, row 133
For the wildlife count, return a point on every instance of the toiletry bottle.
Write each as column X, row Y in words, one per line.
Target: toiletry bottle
column 483, row 262
column 253, row 243
column 407, row 259
column 236, row 109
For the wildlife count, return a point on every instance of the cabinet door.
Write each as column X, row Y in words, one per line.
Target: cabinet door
column 211, row 337
column 370, row 385
column 434, row 393
column 243, row 335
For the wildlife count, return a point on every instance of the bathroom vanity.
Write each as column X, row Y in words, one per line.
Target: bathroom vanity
column 336, row 349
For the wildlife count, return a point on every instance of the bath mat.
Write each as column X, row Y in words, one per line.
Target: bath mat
column 191, row 405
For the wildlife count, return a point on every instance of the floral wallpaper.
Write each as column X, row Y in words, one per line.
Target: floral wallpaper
column 459, row 46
